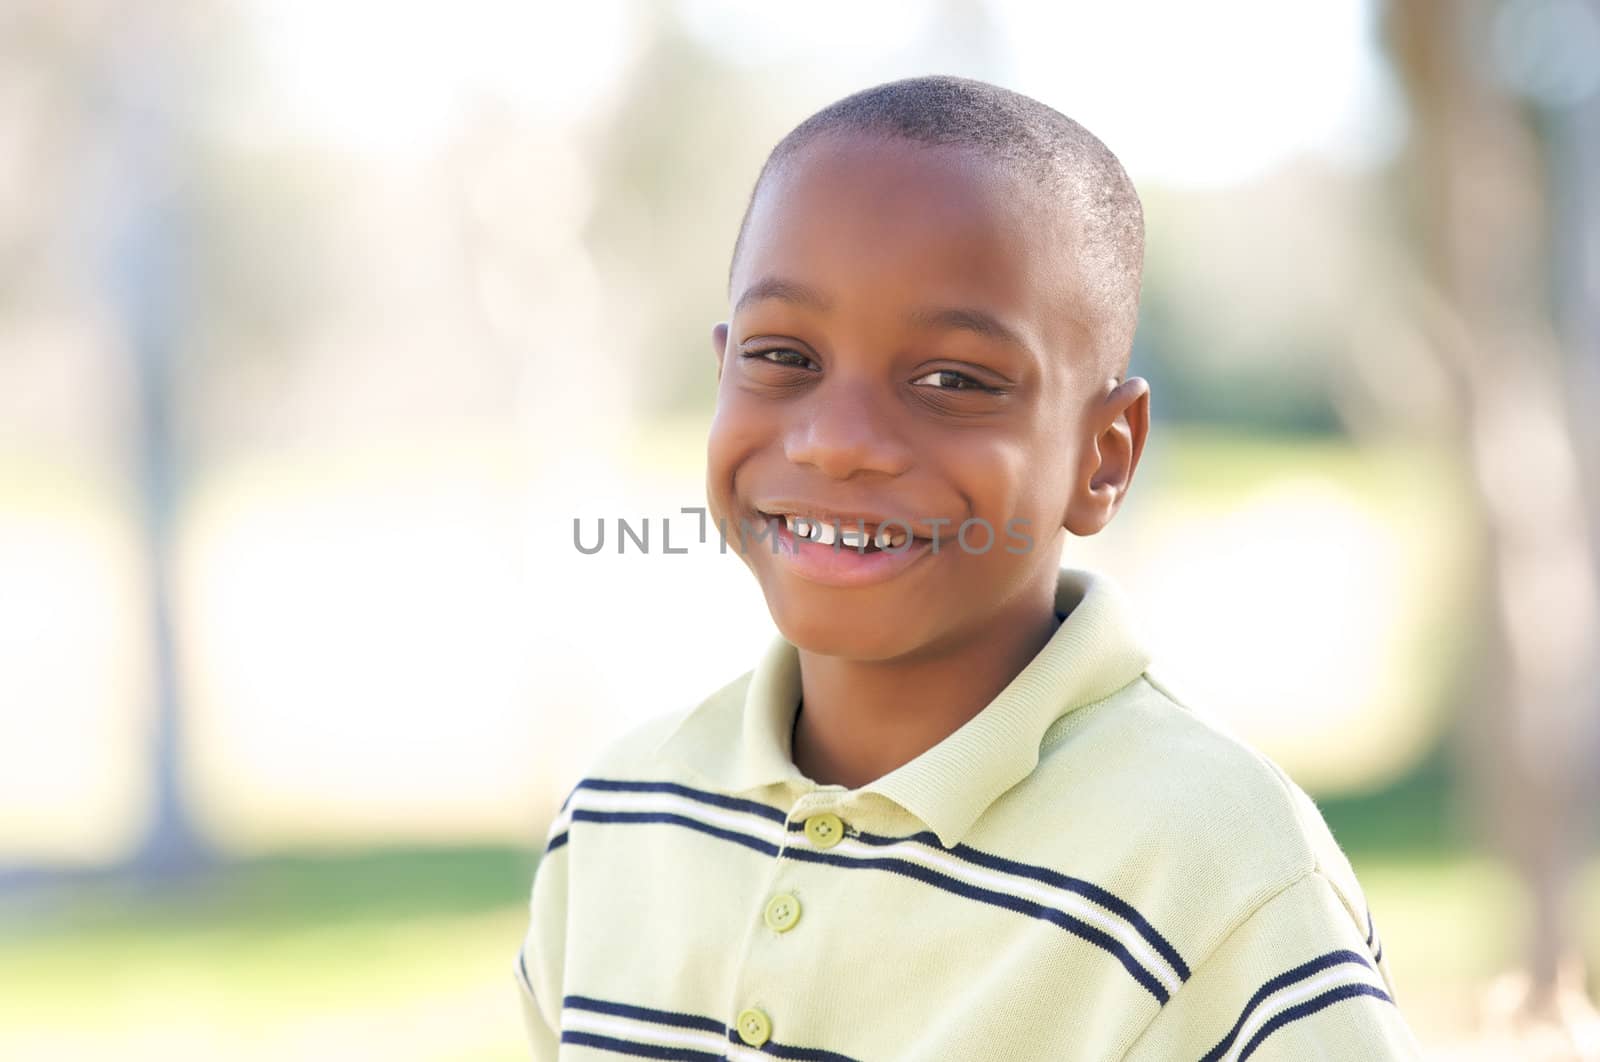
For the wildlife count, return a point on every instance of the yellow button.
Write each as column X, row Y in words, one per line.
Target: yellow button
column 754, row 1028
column 824, row 829
column 782, row 912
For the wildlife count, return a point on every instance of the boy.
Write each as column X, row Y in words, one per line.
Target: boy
column 921, row 392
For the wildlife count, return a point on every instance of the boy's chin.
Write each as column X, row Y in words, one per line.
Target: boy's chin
column 852, row 633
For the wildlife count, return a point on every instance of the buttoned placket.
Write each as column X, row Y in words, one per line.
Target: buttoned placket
column 814, row 821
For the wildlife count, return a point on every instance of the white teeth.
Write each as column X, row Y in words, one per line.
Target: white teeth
column 828, row 534
column 814, row 530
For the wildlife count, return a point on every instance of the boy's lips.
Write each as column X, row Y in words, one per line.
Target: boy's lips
column 840, row 565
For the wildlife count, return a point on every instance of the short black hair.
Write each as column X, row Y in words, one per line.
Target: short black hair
column 1016, row 131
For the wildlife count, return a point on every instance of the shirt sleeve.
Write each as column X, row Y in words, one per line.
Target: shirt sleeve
column 540, row 961
column 1302, row 979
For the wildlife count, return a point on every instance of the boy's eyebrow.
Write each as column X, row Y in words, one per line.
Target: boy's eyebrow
column 784, row 290
column 971, row 319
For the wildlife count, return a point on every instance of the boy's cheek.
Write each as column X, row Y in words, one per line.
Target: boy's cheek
column 719, row 477
column 720, row 501
column 733, row 440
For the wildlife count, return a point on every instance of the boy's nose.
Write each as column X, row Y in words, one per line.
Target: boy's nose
column 843, row 432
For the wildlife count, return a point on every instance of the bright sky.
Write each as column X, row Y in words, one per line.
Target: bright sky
column 1190, row 93
column 397, row 78
column 1185, row 93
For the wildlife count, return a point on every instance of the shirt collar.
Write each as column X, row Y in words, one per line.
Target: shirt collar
column 738, row 739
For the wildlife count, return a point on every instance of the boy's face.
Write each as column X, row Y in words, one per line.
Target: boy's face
column 906, row 345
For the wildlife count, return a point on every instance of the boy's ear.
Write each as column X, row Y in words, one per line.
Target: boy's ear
column 719, row 343
column 1110, row 456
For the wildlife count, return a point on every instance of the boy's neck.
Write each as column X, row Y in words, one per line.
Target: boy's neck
column 863, row 719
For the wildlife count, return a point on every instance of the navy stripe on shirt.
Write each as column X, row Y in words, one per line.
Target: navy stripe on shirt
column 718, row 800
column 639, row 1050
column 673, row 1019
column 676, row 1018
column 1289, row 977
column 1086, row 889
column 753, row 843
column 1309, row 1007
column 1372, row 937
column 1075, row 926
column 800, row 1054
column 611, row 785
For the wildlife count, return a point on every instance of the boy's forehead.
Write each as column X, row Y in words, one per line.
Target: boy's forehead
column 901, row 180
column 861, row 209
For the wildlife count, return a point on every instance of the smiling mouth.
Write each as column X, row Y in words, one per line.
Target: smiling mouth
column 849, row 532
column 844, row 551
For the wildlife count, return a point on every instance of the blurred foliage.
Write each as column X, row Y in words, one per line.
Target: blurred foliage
column 1185, row 388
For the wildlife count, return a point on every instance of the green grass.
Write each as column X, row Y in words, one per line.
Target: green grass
column 405, row 953
column 373, row 886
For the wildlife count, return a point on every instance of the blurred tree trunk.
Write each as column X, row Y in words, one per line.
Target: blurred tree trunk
column 144, row 246
column 1483, row 179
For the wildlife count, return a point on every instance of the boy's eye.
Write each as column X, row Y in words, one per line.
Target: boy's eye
column 950, row 380
column 781, row 356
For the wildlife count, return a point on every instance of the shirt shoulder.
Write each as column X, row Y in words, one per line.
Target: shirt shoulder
column 1202, row 827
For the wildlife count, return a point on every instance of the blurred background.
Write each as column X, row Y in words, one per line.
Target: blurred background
column 321, row 324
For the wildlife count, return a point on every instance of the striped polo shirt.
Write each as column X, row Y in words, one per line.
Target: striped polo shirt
column 1086, row 869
